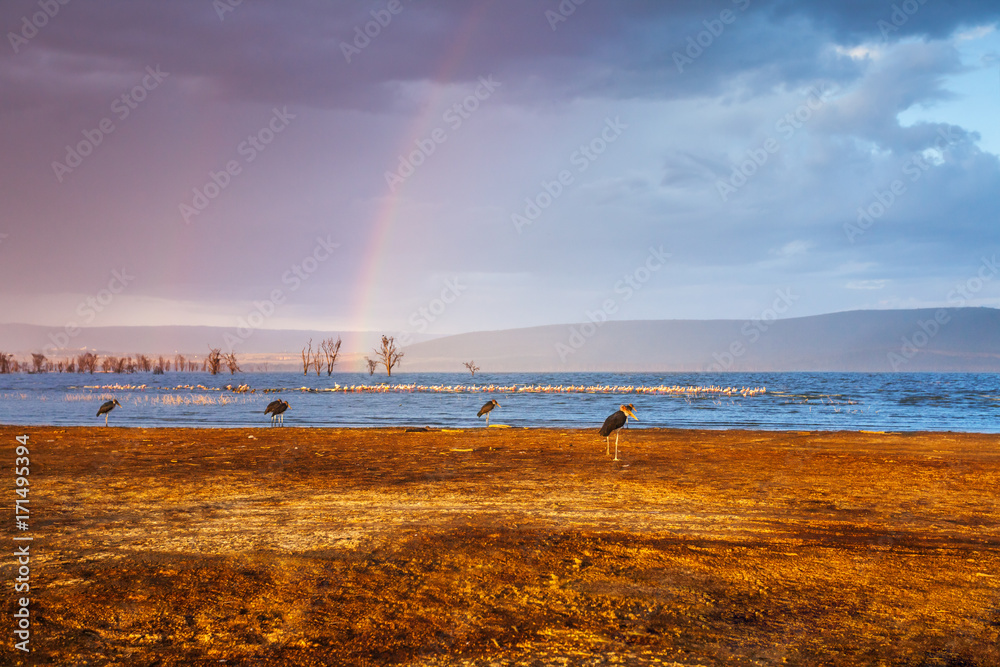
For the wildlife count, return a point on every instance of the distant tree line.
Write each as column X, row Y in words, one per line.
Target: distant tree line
column 323, row 358
column 88, row 362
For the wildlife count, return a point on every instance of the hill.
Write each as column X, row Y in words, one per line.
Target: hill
column 941, row 340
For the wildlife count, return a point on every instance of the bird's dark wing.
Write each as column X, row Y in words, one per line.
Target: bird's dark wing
column 613, row 423
column 272, row 406
column 105, row 408
column 486, row 408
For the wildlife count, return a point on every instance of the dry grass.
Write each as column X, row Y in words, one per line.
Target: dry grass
column 371, row 547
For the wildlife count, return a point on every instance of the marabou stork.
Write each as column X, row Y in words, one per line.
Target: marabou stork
column 107, row 408
column 277, row 409
column 485, row 410
column 615, row 422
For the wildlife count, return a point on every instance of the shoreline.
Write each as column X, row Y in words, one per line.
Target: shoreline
column 496, row 427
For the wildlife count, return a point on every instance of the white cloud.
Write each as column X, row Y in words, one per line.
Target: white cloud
column 792, row 248
column 975, row 33
column 866, row 284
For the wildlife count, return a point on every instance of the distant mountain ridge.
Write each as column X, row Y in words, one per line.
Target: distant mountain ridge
column 934, row 339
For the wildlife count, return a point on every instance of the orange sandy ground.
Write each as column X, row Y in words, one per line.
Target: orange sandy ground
column 509, row 546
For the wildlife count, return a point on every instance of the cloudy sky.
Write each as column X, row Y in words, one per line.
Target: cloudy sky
column 447, row 166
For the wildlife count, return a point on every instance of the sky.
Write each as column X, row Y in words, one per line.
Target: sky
column 436, row 166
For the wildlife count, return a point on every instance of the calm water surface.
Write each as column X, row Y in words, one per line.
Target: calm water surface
column 793, row 401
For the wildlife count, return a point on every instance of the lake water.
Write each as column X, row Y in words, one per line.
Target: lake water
column 792, row 401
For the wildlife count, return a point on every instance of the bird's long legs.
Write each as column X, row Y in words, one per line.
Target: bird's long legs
column 106, row 418
column 607, row 443
column 616, row 445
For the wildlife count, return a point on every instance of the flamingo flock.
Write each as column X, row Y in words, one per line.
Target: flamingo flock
column 681, row 390
column 534, row 389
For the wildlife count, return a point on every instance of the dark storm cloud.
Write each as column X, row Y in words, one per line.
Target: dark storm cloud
column 700, row 83
column 858, row 21
column 294, row 52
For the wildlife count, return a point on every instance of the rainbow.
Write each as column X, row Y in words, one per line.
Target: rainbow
column 387, row 213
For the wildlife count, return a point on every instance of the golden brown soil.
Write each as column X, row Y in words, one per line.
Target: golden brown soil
column 511, row 546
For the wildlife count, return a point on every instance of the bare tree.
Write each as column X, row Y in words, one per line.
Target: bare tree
column 180, row 363
column 214, row 360
column 5, row 362
column 232, row 364
column 86, row 363
column 330, row 350
column 307, row 358
column 262, row 367
column 107, row 364
column 317, row 363
column 38, row 362
column 388, row 355
column 471, row 365
column 372, row 365
column 143, row 363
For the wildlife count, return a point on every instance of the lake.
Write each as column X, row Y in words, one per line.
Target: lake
column 792, row 401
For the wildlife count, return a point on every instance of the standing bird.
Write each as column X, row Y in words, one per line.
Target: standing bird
column 107, row 408
column 615, row 422
column 277, row 409
column 486, row 409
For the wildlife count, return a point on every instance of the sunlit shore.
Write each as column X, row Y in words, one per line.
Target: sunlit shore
column 463, row 548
